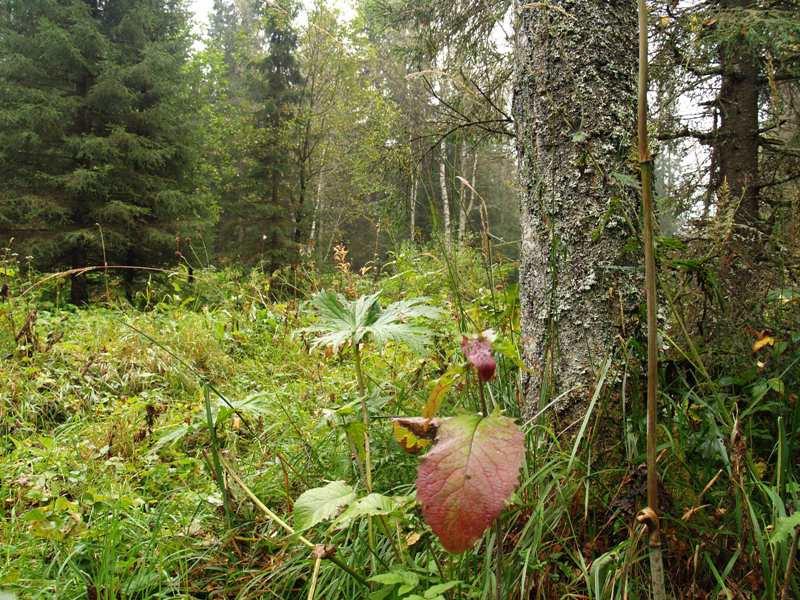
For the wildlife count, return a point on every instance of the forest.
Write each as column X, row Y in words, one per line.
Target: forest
column 400, row 299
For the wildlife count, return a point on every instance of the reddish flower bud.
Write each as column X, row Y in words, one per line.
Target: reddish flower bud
column 479, row 354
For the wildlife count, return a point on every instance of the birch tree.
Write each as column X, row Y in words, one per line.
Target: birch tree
column 466, row 192
column 445, row 195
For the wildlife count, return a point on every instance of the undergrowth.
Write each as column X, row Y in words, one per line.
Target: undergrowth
column 134, row 439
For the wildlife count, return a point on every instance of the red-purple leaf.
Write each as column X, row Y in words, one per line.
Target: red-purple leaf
column 479, row 353
column 464, row 481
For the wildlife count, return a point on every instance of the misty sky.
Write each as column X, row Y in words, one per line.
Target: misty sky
column 201, row 8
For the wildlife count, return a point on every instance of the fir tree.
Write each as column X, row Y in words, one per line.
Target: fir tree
column 97, row 132
column 256, row 98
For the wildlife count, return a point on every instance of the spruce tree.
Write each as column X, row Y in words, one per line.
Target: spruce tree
column 256, row 97
column 276, row 90
column 97, row 132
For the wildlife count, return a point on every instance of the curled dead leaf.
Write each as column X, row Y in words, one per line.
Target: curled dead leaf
column 419, row 426
column 414, row 434
column 763, row 341
column 647, row 516
column 324, row 551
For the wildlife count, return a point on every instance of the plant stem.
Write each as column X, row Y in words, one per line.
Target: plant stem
column 215, row 458
column 303, row 540
column 646, row 167
column 498, row 530
column 362, row 393
column 314, row 577
column 498, row 561
column 787, row 577
column 482, row 395
column 362, row 386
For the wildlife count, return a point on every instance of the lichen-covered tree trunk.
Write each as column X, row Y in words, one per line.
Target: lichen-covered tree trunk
column 737, row 148
column 575, row 106
column 737, row 145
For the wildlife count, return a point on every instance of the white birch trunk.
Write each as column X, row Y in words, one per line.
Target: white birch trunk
column 467, row 195
column 445, row 197
column 413, row 206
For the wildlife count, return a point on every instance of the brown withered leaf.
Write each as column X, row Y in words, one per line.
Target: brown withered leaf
column 419, row 426
column 414, row 434
column 763, row 341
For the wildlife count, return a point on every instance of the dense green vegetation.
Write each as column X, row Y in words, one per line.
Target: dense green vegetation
column 112, row 417
column 126, row 139
column 98, row 134
column 400, row 300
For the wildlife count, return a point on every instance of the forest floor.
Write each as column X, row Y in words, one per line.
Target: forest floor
column 117, row 425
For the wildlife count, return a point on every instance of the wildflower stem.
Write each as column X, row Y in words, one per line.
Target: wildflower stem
column 482, row 395
column 289, row 529
column 362, row 393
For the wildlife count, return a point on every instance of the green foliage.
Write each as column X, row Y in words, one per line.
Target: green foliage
column 98, row 132
column 342, row 321
column 104, row 441
column 252, row 95
column 321, row 504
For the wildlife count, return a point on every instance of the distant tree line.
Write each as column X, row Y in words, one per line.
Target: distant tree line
column 98, row 133
column 125, row 140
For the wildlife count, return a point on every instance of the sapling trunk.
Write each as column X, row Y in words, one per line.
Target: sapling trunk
column 362, row 394
column 646, row 167
column 498, row 529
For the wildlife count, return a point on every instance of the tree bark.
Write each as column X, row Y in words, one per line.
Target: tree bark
column 316, row 221
column 467, row 195
column 78, row 286
column 736, row 151
column 445, row 196
column 575, row 108
column 78, row 290
column 413, row 207
column 737, row 147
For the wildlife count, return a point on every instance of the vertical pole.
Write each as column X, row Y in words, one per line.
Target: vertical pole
column 646, row 168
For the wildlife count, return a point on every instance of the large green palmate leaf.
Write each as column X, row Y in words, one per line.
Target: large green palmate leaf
column 464, row 481
column 322, row 503
column 342, row 321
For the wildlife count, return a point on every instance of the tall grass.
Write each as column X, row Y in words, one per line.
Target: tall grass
column 142, row 515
